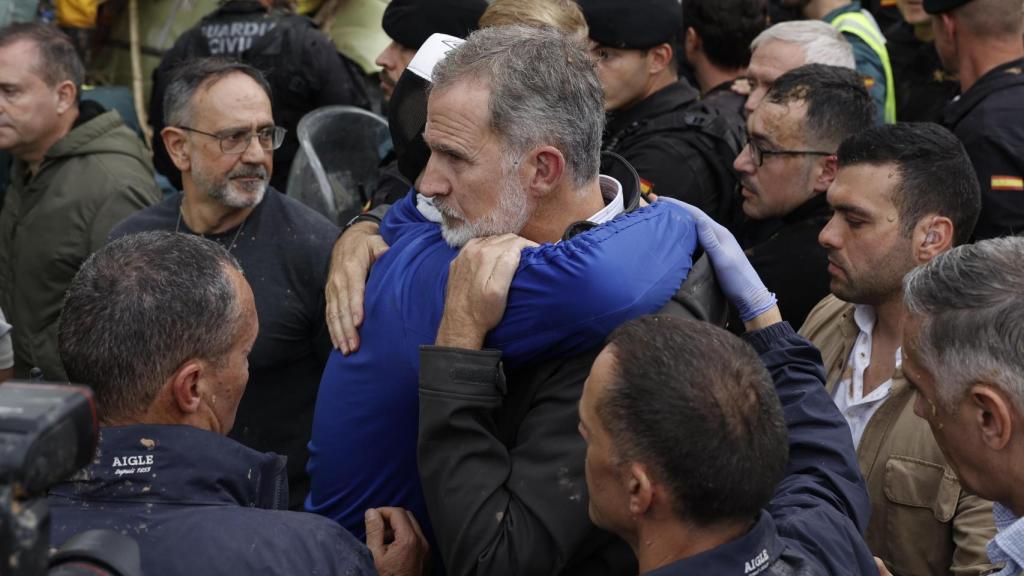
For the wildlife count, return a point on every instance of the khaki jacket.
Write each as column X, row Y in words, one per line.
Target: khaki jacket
column 90, row 180
column 922, row 521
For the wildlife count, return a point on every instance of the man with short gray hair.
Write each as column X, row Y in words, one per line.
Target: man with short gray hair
column 962, row 355
column 220, row 132
column 789, row 45
column 514, row 123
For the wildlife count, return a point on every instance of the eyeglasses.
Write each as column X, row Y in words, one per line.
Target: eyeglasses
column 238, row 141
column 757, row 154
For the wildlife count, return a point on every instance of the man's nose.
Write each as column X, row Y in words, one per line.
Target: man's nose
column 254, row 152
column 431, row 181
column 755, row 97
column 744, row 162
column 827, row 236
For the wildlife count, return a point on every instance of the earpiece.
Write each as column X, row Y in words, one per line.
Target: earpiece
column 931, row 237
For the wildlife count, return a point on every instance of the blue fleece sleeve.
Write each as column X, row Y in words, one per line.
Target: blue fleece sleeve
column 566, row 297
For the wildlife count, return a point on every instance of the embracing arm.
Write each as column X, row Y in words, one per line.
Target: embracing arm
column 514, row 505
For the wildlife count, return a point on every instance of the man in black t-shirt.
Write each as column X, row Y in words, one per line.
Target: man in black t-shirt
column 217, row 109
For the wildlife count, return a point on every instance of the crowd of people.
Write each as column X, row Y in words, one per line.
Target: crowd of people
column 651, row 287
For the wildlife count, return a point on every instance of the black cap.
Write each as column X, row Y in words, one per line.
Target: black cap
column 940, row 6
column 411, row 22
column 635, row 24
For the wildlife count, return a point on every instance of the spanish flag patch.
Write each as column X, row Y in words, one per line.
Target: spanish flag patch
column 1009, row 183
column 869, row 82
column 646, row 187
column 887, row 3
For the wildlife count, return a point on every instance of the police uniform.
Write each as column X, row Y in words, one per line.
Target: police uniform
column 680, row 147
column 861, row 31
column 304, row 69
column 410, row 23
column 987, row 119
column 923, row 87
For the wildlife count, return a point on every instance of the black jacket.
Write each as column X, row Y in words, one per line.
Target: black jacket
column 501, row 458
column 675, row 160
column 198, row 503
column 502, row 465
column 923, row 87
column 304, row 69
column 792, row 263
column 989, row 121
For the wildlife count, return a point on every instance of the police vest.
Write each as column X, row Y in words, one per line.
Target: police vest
column 864, row 27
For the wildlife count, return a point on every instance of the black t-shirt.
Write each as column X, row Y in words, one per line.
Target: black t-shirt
column 284, row 249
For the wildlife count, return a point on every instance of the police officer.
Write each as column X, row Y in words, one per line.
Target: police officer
column 923, row 86
column 408, row 23
column 679, row 147
column 981, row 41
column 716, row 41
column 304, row 69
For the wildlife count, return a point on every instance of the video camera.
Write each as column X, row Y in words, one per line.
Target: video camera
column 47, row 433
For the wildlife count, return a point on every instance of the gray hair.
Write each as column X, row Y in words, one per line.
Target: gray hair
column 822, row 43
column 971, row 303
column 544, row 90
column 191, row 75
column 139, row 308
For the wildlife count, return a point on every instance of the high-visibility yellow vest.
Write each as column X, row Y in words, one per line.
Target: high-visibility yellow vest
column 864, row 27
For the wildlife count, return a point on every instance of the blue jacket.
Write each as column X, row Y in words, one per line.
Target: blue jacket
column 565, row 299
column 814, row 523
column 199, row 503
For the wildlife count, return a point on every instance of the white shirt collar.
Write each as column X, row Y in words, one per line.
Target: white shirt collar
column 611, row 191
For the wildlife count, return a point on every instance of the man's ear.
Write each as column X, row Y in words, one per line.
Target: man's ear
column 993, row 413
column 67, row 96
column 829, row 169
column 176, row 143
column 641, row 489
column 948, row 26
column 933, row 235
column 692, row 42
column 186, row 386
column 546, row 166
column 659, row 58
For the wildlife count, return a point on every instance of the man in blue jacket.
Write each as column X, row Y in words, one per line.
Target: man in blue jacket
column 160, row 325
column 687, row 439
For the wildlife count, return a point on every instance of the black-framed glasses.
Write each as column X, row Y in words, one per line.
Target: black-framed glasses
column 757, row 154
column 238, row 141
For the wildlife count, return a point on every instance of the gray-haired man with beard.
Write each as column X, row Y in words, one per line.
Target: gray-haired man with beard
column 214, row 110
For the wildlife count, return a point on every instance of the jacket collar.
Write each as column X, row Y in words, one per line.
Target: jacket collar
column 675, row 96
column 181, row 465
column 1004, row 75
column 748, row 555
column 851, row 7
column 613, row 166
column 816, row 207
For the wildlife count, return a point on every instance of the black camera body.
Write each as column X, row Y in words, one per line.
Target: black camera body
column 47, row 433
